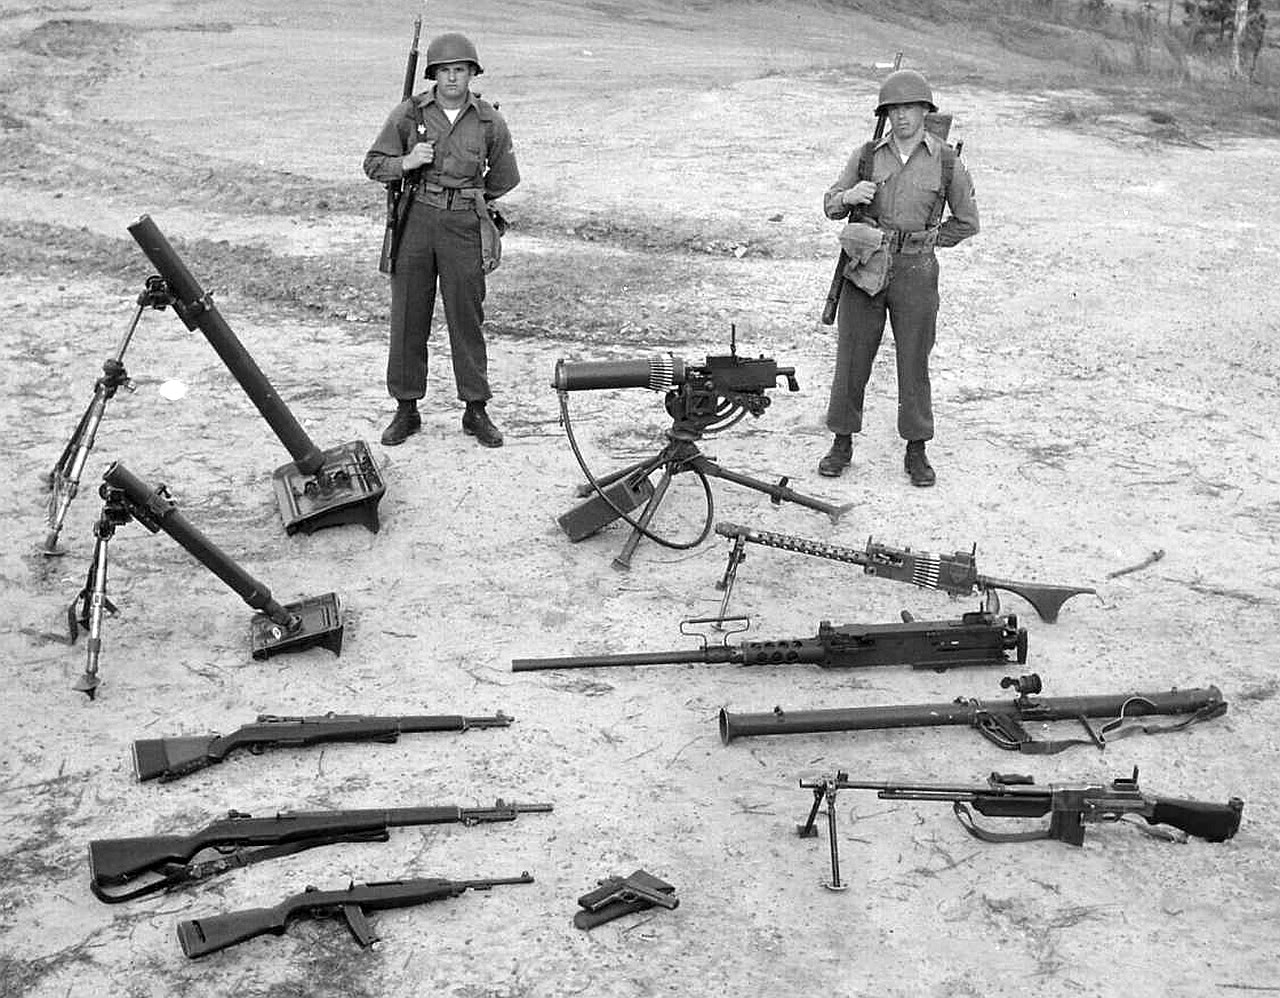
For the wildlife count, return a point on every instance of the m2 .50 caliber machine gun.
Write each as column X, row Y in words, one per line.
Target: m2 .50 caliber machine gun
column 274, row 629
column 975, row 639
column 956, row 575
column 701, row 399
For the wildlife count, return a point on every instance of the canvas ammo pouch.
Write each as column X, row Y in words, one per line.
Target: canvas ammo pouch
column 868, row 252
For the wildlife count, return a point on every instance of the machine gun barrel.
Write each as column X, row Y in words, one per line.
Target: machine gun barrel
column 974, row 639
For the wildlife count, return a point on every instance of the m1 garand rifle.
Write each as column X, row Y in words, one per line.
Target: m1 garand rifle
column 202, row 936
column 172, row 758
column 1070, row 807
column 956, row 574
column 241, row 839
column 975, row 639
column 832, row 303
column 1002, row 724
column 400, row 194
column 64, row 479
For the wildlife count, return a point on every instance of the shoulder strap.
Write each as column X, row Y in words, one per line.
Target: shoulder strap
column 866, row 161
column 948, row 174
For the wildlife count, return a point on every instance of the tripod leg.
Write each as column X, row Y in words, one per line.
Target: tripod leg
column 96, row 603
column 64, row 480
column 623, row 562
column 646, row 466
column 778, row 493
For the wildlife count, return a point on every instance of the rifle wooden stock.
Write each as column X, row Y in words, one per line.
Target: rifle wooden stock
column 171, row 758
column 115, row 863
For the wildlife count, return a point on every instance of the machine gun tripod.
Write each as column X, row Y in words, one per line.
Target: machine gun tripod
column 701, row 399
column 64, row 480
column 276, row 628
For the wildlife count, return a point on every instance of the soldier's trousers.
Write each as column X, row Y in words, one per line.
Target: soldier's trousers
column 910, row 301
column 444, row 246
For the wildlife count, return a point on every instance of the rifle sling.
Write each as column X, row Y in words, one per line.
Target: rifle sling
column 176, row 875
column 1009, row 734
column 970, row 825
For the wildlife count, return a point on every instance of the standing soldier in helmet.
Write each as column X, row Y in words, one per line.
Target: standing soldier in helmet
column 459, row 150
column 897, row 189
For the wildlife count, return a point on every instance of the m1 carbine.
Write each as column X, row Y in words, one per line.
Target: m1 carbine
column 202, row 936
column 172, row 758
column 701, row 399
column 1069, row 806
column 956, row 575
column 977, row 638
column 241, row 839
column 1003, row 724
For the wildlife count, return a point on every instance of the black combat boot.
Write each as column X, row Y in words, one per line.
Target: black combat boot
column 477, row 422
column 837, row 459
column 917, row 465
column 405, row 422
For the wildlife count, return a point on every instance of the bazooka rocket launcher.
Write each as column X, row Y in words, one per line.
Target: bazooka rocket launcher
column 321, row 488
column 274, row 629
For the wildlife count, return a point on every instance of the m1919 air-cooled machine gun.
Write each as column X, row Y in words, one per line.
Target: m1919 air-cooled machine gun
column 275, row 628
column 701, row 399
column 321, row 488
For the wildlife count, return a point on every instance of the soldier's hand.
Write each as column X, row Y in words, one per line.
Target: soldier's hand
column 860, row 193
column 422, row 154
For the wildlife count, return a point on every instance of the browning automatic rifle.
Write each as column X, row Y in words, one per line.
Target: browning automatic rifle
column 241, row 839
column 1069, row 806
column 399, row 194
column 975, row 639
column 201, row 936
column 171, row 758
column 1000, row 723
column 956, row 574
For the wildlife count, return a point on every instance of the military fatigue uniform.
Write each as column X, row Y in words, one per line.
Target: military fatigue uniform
column 905, row 200
column 474, row 163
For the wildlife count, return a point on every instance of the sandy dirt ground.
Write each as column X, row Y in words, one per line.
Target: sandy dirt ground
column 1105, row 385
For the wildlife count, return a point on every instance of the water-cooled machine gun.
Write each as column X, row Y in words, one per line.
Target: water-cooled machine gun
column 275, row 628
column 956, row 574
column 320, row 488
column 700, row 399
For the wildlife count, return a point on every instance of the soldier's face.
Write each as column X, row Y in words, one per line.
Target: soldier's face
column 452, row 81
column 907, row 120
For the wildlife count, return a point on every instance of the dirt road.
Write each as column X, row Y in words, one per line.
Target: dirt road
column 1105, row 386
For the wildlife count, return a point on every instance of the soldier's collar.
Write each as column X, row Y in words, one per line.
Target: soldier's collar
column 930, row 142
column 428, row 97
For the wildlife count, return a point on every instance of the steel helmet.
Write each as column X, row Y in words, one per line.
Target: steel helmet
column 451, row 47
column 905, row 86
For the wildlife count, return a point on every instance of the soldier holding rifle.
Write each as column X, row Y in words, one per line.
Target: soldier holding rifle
column 894, row 193
column 458, row 149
